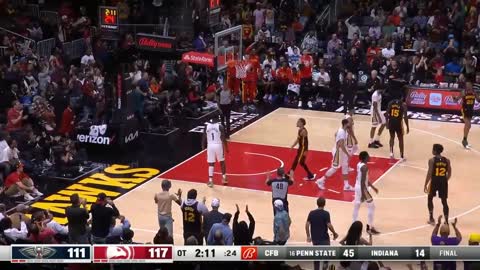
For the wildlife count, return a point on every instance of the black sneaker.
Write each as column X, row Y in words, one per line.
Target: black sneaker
column 378, row 143
column 372, row 230
column 465, row 143
column 373, row 145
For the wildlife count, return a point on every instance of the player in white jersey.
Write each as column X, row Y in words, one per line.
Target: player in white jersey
column 361, row 192
column 340, row 157
column 378, row 119
column 216, row 143
column 352, row 142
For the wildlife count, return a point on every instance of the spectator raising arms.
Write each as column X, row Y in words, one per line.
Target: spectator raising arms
column 243, row 233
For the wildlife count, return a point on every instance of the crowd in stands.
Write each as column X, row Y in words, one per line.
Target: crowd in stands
column 300, row 63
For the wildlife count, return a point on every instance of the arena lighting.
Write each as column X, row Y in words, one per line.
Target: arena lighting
column 170, row 254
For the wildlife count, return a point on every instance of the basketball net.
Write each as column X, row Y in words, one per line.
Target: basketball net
column 241, row 68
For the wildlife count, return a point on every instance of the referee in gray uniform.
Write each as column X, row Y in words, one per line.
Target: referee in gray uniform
column 225, row 98
column 280, row 187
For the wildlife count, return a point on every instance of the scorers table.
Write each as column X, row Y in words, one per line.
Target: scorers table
column 170, row 254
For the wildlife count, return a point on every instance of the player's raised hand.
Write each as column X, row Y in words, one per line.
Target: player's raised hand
column 440, row 219
column 454, row 223
column 246, row 209
column 238, row 209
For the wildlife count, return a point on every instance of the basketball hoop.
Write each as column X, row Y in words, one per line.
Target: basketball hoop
column 241, row 68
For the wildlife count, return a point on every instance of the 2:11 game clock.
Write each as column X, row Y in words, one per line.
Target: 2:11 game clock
column 108, row 18
column 208, row 253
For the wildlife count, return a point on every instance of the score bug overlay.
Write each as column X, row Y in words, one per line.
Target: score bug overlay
column 132, row 254
column 51, row 254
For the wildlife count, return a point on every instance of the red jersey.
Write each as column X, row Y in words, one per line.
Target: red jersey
column 66, row 125
column 231, row 69
column 252, row 76
column 295, row 78
column 254, row 62
column 284, row 74
column 12, row 115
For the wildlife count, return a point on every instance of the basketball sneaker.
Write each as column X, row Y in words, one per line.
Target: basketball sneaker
column 321, row 183
column 378, row 143
column 300, row 104
column 309, row 104
column 373, row 145
column 210, row 184
column 306, row 178
column 431, row 220
column 225, row 181
column 372, row 230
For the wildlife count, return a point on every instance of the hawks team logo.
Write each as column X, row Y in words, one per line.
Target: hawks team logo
column 120, row 252
column 249, row 253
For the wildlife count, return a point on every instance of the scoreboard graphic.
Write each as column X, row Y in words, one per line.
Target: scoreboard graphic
column 170, row 254
column 51, row 254
column 108, row 18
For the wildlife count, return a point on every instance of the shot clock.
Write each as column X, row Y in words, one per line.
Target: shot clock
column 108, row 18
column 132, row 254
column 51, row 254
column 207, row 253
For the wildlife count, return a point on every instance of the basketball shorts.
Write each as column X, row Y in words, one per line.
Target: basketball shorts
column 378, row 121
column 234, row 85
column 340, row 159
column 395, row 128
column 440, row 187
column 215, row 153
column 358, row 195
column 467, row 113
column 353, row 149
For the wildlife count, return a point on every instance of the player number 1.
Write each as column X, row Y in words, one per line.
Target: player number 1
column 420, row 252
column 158, row 252
column 76, row 253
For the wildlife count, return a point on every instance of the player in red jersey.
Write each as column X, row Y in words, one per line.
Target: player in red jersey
column 233, row 83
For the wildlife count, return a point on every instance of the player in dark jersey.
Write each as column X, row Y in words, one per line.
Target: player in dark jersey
column 396, row 115
column 192, row 212
column 439, row 172
column 468, row 98
column 302, row 141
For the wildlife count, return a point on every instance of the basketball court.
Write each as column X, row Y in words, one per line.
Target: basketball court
column 260, row 148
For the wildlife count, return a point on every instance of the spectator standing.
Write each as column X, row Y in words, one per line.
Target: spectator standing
column 224, row 228
column 444, row 240
column 193, row 212
column 67, row 122
column 164, row 205
column 281, row 224
column 280, row 187
column 349, row 89
column 212, row 217
column 352, row 28
column 259, row 15
column 77, row 217
column 103, row 211
column 15, row 117
column 317, row 226
column 243, row 233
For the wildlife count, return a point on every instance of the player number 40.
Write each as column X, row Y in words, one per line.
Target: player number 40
column 75, row 253
column 158, row 252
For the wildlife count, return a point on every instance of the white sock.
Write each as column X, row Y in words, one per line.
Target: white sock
column 345, row 183
column 356, row 209
column 330, row 172
column 210, row 173
column 371, row 213
column 371, row 140
column 224, row 176
column 377, row 138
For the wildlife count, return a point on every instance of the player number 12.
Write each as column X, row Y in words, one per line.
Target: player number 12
column 158, row 252
column 76, row 253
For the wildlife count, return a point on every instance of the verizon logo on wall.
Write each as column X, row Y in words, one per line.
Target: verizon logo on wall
column 155, row 43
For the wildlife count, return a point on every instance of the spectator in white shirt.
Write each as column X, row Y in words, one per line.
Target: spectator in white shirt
column 322, row 80
column 263, row 34
column 88, row 58
column 13, row 233
column 55, row 226
column 401, row 9
column 388, row 52
column 352, row 29
column 259, row 14
column 270, row 61
column 375, row 31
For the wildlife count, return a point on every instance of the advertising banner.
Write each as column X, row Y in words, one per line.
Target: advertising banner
column 155, row 43
column 435, row 98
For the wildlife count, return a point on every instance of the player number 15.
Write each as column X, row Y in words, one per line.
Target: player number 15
column 158, row 252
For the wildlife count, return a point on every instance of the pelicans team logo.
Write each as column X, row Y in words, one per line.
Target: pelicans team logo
column 38, row 252
column 120, row 252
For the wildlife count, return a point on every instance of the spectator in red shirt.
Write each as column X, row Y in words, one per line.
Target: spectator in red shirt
column 19, row 182
column 439, row 76
column 282, row 77
column 68, row 120
column 40, row 233
column 15, row 117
